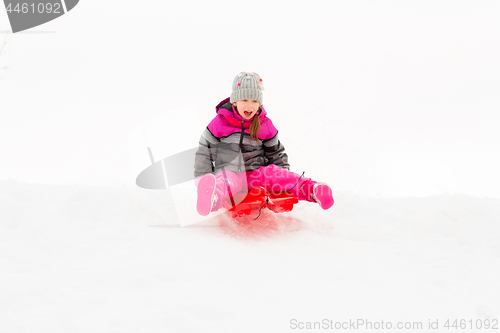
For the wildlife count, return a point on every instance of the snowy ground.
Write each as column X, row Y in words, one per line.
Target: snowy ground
column 393, row 103
column 100, row 259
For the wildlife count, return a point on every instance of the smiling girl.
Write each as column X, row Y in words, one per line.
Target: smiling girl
column 240, row 149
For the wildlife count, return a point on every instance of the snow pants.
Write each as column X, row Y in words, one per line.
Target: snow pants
column 271, row 177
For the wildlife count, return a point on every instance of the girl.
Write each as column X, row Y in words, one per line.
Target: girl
column 240, row 149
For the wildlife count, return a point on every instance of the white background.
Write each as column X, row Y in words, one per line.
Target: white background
column 393, row 103
column 389, row 98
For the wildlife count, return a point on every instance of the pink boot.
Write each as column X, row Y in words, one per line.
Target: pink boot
column 322, row 194
column 206, row 194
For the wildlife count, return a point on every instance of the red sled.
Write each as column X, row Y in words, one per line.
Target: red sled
column 258, row 197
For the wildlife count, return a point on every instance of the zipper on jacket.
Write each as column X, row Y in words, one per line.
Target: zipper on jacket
column 241, row 144
column 242, row 133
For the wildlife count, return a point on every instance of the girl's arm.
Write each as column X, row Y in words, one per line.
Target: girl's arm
column 274, row 151
column 205, row 156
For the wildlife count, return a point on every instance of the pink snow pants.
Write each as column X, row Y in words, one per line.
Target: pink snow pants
column 271, row 177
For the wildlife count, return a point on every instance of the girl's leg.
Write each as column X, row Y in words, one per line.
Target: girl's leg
column 228, row 184
column 274, row 178
column 213, row 190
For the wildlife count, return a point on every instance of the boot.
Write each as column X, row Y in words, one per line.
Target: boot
column 322, row 194
column 207, row 198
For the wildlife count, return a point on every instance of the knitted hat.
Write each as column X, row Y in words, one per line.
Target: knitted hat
column 247, row 85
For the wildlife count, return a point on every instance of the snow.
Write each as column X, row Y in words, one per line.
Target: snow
column 94, row 258
column 394, row 104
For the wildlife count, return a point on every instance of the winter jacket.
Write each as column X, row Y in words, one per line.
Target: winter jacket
column 228, row 134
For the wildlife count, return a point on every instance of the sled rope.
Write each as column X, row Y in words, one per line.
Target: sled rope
column 264, row 205
column 226, row 180
column 267, row 196
column 302, row 175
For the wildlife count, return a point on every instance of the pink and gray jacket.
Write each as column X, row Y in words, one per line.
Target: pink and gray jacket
column 228, row 134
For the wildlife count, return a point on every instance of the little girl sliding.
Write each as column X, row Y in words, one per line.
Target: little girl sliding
column 240, row 150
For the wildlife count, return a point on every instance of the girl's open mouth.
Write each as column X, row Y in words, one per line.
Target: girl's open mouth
column 248, row 113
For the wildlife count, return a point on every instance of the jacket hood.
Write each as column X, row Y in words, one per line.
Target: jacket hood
column 225, row 108
column 228, row 122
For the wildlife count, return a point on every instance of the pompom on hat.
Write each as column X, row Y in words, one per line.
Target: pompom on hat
column 247, row 85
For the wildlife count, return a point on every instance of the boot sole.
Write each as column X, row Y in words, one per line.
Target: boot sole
column 206, row 191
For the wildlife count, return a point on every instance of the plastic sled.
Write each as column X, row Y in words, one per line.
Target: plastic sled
column 257, row 198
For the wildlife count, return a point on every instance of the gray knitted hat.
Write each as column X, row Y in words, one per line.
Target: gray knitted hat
column 247, row 85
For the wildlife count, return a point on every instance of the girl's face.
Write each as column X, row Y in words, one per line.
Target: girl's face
column 247, row 108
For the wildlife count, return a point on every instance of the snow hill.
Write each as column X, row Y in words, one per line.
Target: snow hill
column 81, row 258
column 394, row 104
